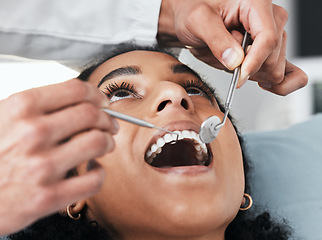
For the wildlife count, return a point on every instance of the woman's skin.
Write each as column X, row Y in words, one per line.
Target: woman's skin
column 144, row 202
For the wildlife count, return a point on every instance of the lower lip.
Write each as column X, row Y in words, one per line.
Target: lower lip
column 186, row 170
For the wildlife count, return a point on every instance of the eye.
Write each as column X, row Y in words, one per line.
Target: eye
column 198, row 88
column 117, row 92
column 121, row 94
column 195, row 91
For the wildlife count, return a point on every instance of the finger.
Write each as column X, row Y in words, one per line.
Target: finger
column 204, row 53
column 72, row 92
column 214, row 33
column 260, row 23
column 294, row 79
column 54, row 197
column 276, row 75
column 277, row 56
column 70, row 121
column 86, row 146
column 54, row 97
column 80, row 187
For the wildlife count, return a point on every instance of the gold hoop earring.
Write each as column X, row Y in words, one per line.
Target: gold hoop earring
column 249, row 200
column 70, row 214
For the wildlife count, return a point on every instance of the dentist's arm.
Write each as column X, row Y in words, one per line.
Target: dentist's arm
column 74, row 30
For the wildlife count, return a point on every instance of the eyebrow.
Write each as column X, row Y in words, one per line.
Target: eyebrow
column 122, row 71
column 181, row 68
column 135, row 70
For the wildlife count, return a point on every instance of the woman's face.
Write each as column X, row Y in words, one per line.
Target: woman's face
column 183, row 188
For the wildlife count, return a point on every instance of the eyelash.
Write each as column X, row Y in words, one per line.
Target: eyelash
column 112, row 88
column 201, row 86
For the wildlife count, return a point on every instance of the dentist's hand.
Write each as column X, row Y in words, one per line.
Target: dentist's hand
column 213, row 32
column 45, row 132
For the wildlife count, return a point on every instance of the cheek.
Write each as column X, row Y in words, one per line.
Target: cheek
column 228, row 163
column 123, row 151
column 234, row 159
column 111, row 201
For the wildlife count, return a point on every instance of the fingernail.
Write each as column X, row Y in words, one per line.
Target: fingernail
column 116, row 125
column 105, row 102
column 248, row 48
column 230, row 58
column 242, row 81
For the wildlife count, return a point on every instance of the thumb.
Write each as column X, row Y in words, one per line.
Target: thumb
column 221, row 43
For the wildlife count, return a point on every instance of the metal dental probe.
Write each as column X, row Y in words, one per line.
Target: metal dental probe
column 210, row 127
column 134, row 120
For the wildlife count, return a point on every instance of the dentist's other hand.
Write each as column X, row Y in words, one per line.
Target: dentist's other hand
column 213, row 32
column 46, row 132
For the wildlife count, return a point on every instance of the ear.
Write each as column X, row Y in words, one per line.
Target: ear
column 74, row 209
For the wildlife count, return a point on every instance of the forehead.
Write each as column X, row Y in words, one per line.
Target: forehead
column 146, row 60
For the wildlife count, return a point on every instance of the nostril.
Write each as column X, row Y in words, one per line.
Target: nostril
column 162, row 105
column 184, row 104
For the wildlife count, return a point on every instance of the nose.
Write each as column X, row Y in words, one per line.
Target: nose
column 171, row 96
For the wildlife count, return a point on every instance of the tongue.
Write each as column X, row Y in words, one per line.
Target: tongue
column 182, row 153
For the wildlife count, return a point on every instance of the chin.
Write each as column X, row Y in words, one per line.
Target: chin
column 195, row 217
column 194, row 223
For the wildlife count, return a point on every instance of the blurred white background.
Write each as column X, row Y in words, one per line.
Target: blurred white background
column 253, row 108
column 18, row 74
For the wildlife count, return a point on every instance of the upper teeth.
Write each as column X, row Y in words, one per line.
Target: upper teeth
column 156, row 148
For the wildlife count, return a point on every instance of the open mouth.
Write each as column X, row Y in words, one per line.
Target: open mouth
column 169, row 152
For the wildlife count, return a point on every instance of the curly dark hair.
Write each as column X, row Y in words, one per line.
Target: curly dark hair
column 246, row 225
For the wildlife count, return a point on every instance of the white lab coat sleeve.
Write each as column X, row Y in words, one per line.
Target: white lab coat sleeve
column 74, row 29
